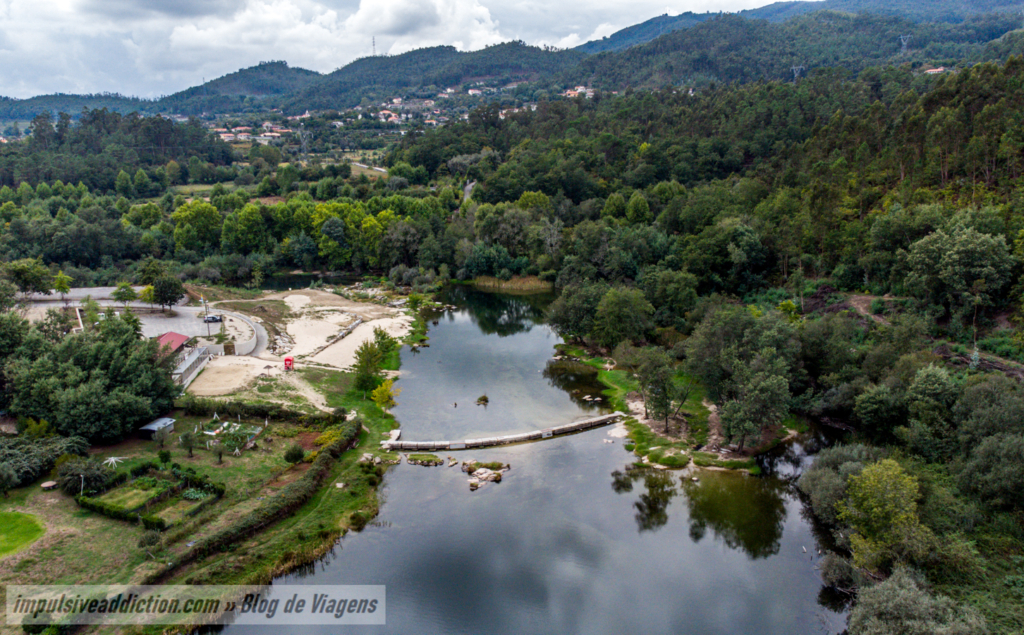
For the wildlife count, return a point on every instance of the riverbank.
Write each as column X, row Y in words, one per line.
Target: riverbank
column 646, row 438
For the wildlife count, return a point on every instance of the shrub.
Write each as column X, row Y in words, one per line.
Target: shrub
column 294, row 453
column 149, row 539
column 903, row 605
column 82, row 475
column 358, row 521
column 194, row 494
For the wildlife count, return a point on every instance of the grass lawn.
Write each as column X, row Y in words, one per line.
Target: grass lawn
column 129, row 498
column 178, row 510
column 17, row 531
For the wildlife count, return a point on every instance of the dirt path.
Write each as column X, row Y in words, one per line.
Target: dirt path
column 862, row 304
column 715, row 436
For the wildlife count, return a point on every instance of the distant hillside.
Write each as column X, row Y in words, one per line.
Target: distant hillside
column 429, row 69
column 952, row 11
column 729, row 48
column 26, row 109
column 237, row 90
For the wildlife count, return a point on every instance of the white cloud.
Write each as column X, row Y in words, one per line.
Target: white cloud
column 155, row 47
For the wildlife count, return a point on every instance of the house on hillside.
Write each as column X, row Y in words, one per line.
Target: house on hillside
column 935, row 71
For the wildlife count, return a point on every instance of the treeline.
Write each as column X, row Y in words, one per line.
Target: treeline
column 101, row 144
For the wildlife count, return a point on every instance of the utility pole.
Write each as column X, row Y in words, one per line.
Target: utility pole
column 375, row 46
column 905, row 41
column 796, row 71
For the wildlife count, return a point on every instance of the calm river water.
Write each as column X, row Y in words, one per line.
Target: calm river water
column 568, row 542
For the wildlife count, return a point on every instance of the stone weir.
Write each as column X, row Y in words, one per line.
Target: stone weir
column 508, row 439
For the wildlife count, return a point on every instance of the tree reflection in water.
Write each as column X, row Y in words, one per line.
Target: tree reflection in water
column 745, row 512
column 500, row 314
column 576, row 379
column 652, row 507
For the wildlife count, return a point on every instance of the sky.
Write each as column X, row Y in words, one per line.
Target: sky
column 150, row 48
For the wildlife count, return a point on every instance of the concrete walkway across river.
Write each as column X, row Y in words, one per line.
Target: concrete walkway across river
column 486, row 442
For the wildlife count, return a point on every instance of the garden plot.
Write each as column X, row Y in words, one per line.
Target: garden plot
column 134, row 495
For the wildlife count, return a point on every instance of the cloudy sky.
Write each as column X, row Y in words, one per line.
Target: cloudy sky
column 156, row 47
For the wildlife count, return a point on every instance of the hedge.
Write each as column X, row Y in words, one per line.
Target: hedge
column 118, row 513
column 200, row 407
column 291, row 497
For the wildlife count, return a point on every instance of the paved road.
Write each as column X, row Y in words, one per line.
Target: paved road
column 76, row 295
column 187, row 322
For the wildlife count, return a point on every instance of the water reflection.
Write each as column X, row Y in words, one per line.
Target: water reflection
column 744, row 512
column 652, row 506
column 502, row 315
column 576, row 379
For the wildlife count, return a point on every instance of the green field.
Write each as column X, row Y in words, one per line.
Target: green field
column 18, row 531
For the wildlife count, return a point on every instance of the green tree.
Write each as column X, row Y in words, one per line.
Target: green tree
column 141, row 183
column 150, row 270
column 161, row 437
column 995, row 471
column 62, row 285
column 148, row 294
column 367, row 365
column 124, row 294
column 638, row 211
column 881, row 507
column 123, row 185
column 8, row 478
column 622, row 314
column 197, row 226
column 188, row 441
column 30, row 275
column 99, row 385
column 963, row 270
column 762, row 398
column 168, row 291
column 164, row 456
column 614, row 207
column 81, row 475
column 572, row 314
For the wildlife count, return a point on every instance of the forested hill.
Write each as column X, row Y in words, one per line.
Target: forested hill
column 429, row 70
column 26, row 109
column 951, row 11
column 237, row 90
column 729, row 48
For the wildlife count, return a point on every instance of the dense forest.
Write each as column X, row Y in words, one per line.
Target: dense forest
column 101, row 144
column 733, row 49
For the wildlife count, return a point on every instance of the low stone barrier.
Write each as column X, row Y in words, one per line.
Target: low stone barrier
column 508, row 439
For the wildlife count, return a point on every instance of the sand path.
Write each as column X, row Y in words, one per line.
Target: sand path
column 342, row 354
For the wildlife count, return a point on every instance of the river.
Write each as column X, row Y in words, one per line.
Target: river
column 569, row 541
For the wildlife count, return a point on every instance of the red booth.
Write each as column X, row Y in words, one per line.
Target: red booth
column 289, row 363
